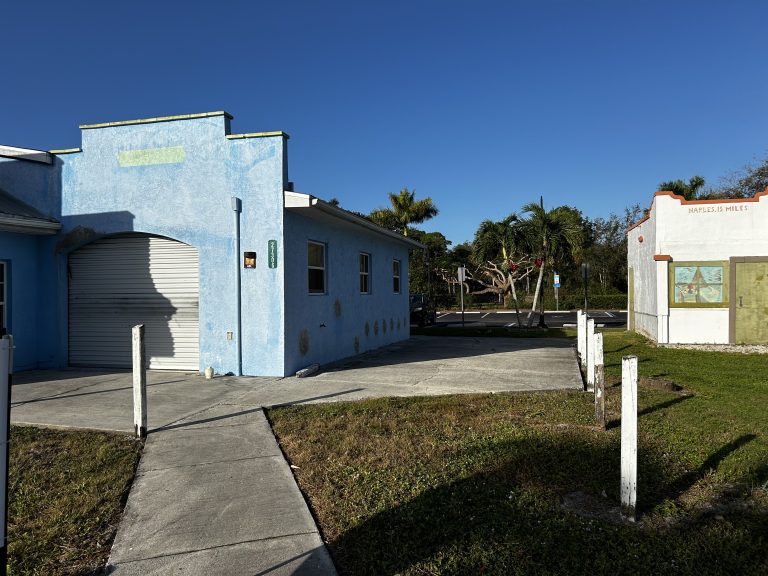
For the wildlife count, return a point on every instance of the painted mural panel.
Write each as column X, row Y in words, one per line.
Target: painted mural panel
column 698, row 284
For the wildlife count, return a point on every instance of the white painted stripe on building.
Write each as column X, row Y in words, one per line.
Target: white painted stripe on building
column 118, row 282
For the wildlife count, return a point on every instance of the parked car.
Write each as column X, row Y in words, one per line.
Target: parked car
column 422, row 310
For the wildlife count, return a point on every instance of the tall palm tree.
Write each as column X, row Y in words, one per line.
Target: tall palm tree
column 405, row 210
column 552, row 235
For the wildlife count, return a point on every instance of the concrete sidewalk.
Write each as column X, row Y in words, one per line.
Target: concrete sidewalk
column 213, row 493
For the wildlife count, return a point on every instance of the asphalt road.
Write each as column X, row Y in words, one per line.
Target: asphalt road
column 603, row 318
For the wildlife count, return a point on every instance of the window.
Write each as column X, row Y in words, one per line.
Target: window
column 316, row 267
column 3, row 284
column 396, row 276
column 365, row 273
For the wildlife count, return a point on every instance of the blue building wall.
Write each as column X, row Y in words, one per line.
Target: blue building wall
column 20, row 254
column 321, row 328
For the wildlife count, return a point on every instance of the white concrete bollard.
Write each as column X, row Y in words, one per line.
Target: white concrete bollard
column 599, row 381
column 590, row 353
column 629, row 435
column 139, row 382
column 581, row 326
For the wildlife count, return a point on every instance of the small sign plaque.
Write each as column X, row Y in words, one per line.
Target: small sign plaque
column 272, row 253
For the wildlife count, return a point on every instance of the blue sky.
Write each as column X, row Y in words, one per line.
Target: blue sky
column 482, row 105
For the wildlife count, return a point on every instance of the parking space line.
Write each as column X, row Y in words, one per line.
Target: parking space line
column 484, row 315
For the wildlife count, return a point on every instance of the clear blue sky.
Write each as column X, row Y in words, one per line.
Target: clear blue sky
column 481, row 105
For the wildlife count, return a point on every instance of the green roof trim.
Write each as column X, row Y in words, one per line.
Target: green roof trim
column 158, row 119
column 65, row 151
column 257, row 135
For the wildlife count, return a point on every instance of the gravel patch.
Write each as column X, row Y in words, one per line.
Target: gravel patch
column 734, row 348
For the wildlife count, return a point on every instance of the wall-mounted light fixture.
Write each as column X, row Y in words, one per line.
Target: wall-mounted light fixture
column 249, row 259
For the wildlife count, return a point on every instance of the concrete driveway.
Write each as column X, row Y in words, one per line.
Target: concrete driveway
column 420, row 366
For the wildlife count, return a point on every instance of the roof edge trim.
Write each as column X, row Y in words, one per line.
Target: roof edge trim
column 298, row 201
column 157, row 119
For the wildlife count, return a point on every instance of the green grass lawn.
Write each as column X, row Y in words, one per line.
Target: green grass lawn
column 525, row 483
column 67, row 492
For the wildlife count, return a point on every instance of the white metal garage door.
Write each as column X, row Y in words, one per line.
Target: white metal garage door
column 118, row 282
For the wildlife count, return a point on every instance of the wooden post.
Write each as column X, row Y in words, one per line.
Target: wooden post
column 599, row 382
column 139, row 383
column 590, row 354
column 629, row 435
column 581, row 325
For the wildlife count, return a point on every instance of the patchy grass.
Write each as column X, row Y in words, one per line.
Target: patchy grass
column 67, row 492
column 476, row 484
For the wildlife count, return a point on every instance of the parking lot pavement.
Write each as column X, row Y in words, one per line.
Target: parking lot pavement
column 508, row 318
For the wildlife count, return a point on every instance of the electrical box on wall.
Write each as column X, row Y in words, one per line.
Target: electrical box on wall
column 249, row 259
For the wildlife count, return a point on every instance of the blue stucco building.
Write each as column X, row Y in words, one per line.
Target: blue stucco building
column 196, row 232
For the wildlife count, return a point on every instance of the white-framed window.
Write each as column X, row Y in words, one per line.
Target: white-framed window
column 3, row 299
column 316, row 267
column 365, row 273
column 396, row 276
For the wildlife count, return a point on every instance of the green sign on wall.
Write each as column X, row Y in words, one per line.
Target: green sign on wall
column 272, row 253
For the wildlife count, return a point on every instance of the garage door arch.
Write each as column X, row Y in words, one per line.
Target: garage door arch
column 119, row 281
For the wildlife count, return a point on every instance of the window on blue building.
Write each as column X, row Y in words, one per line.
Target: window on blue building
column 365, row 273
column 316, row 267
column 396, row 276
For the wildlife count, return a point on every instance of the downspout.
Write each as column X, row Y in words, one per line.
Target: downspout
column 236, row 208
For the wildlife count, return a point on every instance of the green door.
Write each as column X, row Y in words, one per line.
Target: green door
column 751, row 303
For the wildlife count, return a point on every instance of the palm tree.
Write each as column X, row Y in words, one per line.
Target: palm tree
column 405, row 210
column 495, row 239
column 689, row 190
column 553, row 235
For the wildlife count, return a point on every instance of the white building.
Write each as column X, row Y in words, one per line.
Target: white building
column 698, row 270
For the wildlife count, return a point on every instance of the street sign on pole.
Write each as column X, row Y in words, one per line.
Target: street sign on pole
column 462, row 273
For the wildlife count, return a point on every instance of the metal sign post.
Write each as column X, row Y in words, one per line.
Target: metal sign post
column 6, row 378
column 585, row 269
column 557, row 288
column 462, row 274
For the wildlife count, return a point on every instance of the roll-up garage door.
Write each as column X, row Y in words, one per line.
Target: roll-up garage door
column 121, row 281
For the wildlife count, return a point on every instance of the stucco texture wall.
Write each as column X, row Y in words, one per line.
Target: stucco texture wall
column 321, row 328
column 176, row 179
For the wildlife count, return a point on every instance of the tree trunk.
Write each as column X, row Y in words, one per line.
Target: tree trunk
column 536, row 295
column 517, row 305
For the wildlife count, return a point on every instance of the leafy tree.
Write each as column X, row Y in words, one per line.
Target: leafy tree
column 405, row 210
column 606, row 249
column 425, row 264
column 689, row 190
column 750, row 180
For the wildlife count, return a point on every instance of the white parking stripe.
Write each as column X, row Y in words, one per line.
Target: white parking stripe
column 610, row 315
column 484, row 315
